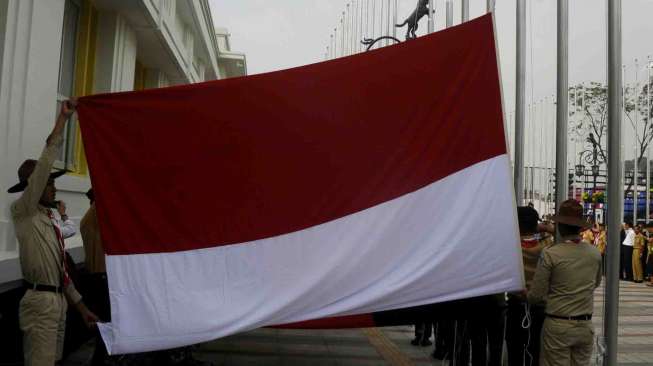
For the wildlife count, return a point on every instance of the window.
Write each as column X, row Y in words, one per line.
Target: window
column 66, row 84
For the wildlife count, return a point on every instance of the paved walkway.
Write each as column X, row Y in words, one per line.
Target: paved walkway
column 390, row 346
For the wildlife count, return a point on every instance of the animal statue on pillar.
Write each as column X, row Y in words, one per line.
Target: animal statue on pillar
column 413, row 19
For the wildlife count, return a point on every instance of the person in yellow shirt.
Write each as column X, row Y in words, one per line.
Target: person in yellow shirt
column 638, row 251
column 649, row 254
column 600, row 241
column 588, row 235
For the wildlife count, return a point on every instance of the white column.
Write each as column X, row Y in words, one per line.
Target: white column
column 30, row 48
column 115, row 55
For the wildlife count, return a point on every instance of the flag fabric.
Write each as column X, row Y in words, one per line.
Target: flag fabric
column 331, row 191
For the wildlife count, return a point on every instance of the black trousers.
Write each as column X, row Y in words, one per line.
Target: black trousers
column 423, row 331
column 97, row 300
column 444, row 339
column 486, row 336
column 627, row 262
column 517, row 338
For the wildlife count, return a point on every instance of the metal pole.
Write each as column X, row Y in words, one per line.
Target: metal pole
column 387, row 26
column 520, row 101
column 394, row 20
column 648, row 148
column 615, row 186
column 373, row 19
column 624, row 91
column 490, row 5
column 431, row 25
column 449, row 13
column 356, row 27
column 381, row 22
column 342, row 35
column 335, row 42
column 331, row 45
column 635, row 159
column 465, row 11
column 347, row 28
column 361, row 24
column 367, row 19
column 353, row 27
column 562, row 112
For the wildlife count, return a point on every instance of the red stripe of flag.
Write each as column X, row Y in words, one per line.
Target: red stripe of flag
column 237, row 160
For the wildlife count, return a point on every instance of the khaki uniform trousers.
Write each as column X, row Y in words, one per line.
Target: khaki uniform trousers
column 566, row 342
column 42, row 318
column 638, row 270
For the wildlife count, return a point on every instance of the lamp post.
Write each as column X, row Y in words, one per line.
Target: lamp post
column 590, row 156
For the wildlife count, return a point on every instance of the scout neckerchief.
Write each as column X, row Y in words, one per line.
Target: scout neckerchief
column 528, row 243
column 57, row 231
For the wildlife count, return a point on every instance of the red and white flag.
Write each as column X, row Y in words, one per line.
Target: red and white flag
column 366, row 183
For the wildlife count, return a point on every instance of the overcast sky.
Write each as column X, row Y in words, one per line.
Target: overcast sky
column 280, row 34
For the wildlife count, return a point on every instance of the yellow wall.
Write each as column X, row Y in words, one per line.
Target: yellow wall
column 84, row 69
column 139, row 76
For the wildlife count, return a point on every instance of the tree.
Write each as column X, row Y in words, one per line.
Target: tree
column 591, row 117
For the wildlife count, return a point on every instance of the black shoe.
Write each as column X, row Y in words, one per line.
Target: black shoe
column 415, row 342
column 426, row 343
column 440, row 355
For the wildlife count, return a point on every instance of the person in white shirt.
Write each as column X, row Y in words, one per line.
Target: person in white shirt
column 65, row 224
column 627, row 252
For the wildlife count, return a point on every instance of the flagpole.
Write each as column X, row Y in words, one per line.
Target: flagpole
column 490, row 5
column 636, row 160
column 431, row 25
column 331, row 46
column 373, row 19
column 353, row 27
column 342, row 34
column 387, row 26
column 357, row 27
column 520, row 93
column 648, row 148
column 465, row 11
column 562, row 114
column 623, row 148
column 615, row 186
column 394, row 20
column 347, row 43
column 449, row 13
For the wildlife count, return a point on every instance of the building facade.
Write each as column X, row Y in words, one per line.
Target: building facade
column 51, row 50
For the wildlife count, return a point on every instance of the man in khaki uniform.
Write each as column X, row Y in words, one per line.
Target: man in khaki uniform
column 42, row 311
column 565, row 278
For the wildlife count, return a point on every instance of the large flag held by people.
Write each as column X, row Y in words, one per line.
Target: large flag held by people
column 358, row 185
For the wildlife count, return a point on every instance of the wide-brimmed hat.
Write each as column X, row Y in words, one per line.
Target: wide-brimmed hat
column 571, row 213
column 26, row 169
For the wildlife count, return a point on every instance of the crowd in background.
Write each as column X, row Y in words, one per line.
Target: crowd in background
column 520, row 323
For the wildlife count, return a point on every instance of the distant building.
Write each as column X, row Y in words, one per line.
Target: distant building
column 230, row 64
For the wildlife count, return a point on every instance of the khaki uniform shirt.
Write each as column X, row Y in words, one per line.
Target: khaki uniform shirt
column 566, row 277
column 92, row 242
column 40, row 254
column 531, row 255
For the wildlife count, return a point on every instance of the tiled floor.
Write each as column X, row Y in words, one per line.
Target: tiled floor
column 390, row 346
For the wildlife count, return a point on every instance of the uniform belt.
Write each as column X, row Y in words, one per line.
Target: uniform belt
column 577, row 317
column 39, row 287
